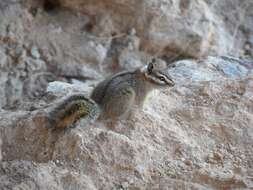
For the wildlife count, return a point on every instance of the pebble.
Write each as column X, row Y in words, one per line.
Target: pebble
column 125, row 185
column 217, row 156
column 35, row 52
column 188, row 162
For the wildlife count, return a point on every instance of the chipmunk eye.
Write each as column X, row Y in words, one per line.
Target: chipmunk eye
column 162, row 78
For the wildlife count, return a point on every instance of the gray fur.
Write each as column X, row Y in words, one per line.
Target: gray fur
column 117, row 95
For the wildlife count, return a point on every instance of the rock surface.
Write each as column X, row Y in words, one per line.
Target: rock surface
column 196, row 135
column 181, row 27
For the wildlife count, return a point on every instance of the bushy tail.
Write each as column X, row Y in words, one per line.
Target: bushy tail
column 67, row 111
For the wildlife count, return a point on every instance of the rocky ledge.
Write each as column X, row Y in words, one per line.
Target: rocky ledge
column 196, row 135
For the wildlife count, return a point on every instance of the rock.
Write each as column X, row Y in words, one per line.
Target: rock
column 1, row 157
column 3, row 81
column 121, row 47
column 74, row 70
column 130, row 60
column 251, row 39
column 196, row 135
column 188, row 162
column 35, row 52
column 189, row 28
column 95, row 53
column 180, row 127
column 59, row 88
column 35, row 85
column 3, row 58
column 215, row 68
column 238, row 24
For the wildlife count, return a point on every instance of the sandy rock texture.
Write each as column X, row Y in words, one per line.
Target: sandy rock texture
column 165, row 27
column 196, row 135
column 239, row 22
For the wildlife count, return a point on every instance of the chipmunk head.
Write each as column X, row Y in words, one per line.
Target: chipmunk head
column 156, row 73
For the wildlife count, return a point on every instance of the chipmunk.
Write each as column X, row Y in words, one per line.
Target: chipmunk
column 114, row 97
column 117, row 95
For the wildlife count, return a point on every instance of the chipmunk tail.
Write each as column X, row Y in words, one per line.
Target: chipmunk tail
column 71, row 109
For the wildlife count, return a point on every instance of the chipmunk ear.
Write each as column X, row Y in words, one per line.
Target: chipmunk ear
column 151, row 66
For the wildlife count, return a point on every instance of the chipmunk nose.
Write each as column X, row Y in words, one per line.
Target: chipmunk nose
column 172, row 83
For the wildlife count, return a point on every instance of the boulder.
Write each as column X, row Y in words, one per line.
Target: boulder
column 197, row 134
